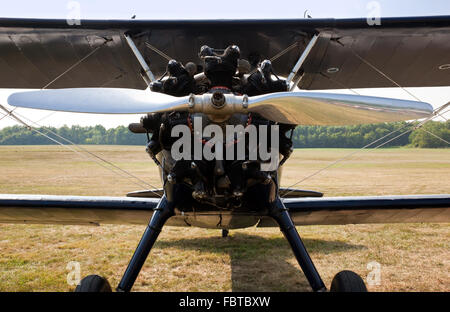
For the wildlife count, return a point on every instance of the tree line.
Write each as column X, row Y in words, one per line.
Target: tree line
column 403, row 134
column 303, row 136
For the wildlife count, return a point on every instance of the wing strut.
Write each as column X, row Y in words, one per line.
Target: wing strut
column 300, row 61
column 149, row 77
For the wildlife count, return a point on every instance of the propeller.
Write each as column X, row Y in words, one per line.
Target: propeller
column 305, row 108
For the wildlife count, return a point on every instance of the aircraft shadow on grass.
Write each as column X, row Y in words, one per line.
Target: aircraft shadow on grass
column 256, row 261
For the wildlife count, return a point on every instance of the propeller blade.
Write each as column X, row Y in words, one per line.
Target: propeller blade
column 99, row 101
column 315, row 108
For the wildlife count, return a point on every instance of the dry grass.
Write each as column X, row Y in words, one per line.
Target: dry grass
column 413, row 257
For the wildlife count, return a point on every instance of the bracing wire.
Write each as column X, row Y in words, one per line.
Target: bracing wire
column 69, row 69
column 436, row 113
column 361, row 149
column 161, row 53
column 125, row 174
column 278, row 55
column 97, row 159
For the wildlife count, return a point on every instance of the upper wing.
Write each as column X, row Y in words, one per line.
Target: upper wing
column 411, row 51
column 33, row 53
column 304, row 211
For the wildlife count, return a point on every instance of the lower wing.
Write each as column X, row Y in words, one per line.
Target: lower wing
column 88, row 210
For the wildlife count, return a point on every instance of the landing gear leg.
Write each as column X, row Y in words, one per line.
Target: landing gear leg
column 281, row 215
column 162, row 213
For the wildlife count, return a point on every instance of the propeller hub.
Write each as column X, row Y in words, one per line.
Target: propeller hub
column 218, row 100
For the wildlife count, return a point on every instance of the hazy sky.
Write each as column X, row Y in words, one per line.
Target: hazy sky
column 228, row 9
column 102, row 9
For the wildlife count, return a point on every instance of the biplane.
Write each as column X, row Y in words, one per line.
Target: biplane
column 264, row 73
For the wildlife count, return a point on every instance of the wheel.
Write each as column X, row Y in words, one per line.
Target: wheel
column 224, row 233
column 347, row 281
column 93, row 283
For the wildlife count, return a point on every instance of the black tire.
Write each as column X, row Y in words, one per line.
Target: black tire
column 224, row 233
column 93, row 283
column 348, row 281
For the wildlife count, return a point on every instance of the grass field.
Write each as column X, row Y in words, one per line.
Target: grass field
column 413, row 257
